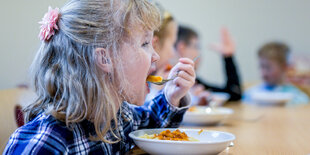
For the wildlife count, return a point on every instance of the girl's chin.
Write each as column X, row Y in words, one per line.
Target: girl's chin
column 140, row 99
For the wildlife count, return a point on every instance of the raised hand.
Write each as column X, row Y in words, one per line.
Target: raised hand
column 227, row 46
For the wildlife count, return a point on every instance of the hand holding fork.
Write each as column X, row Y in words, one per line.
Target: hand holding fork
column 164, row 81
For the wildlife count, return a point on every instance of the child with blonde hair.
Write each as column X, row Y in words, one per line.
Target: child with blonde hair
column 163, row 43
column 90, row 77
column 165, row 38
column 274, row 63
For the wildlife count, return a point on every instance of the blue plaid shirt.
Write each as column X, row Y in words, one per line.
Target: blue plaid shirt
column 46, row 135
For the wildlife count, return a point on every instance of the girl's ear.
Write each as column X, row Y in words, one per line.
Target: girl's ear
column 102, row 61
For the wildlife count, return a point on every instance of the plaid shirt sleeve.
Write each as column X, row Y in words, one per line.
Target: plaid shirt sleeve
column 158, row 113
column 36, row 138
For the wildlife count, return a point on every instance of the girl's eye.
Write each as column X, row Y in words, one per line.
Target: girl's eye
column 145, row 44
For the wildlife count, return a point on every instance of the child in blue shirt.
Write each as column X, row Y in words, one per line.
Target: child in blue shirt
column 273, row 62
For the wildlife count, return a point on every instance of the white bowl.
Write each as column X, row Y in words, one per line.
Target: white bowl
column 209, row 142
column 205, row 115
column 219, row 98
column 271, row 98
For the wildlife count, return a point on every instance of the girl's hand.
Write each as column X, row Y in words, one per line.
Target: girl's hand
column 178, row 88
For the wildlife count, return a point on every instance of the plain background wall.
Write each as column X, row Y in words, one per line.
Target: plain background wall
column 19, row 41
column 251, row 23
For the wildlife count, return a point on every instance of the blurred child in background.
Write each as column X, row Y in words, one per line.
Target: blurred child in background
column 273, row 63
column 187, row 45
column 163, row 43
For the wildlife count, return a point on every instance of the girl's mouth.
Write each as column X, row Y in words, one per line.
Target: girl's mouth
column 151, row 71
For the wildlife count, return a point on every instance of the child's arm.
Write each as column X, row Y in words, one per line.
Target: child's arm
column 227, row 48
column 157, row 113
column 168, row 108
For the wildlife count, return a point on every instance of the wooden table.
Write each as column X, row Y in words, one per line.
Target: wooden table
column 258, row 130
column 266, row 130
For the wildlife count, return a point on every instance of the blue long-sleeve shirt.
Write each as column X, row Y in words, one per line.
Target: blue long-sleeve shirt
column 298, row 97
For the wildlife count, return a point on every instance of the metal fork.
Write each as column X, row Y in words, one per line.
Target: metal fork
column 164, row 81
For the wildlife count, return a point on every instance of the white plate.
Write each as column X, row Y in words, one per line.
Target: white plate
column 210, row 142
column 219, row 98
column 206, row 115
column 271, row 98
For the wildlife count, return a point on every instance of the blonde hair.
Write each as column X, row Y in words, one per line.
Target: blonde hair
column 166, row 18
column 275, row 51
column 69, row 84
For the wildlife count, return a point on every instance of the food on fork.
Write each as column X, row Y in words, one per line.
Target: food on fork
column 152, row 78
column 176, row 135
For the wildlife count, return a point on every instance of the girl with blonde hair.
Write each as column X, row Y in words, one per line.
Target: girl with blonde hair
column 90, row 77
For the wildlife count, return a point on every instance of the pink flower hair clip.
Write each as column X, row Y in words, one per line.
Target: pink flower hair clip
column 49, row 24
